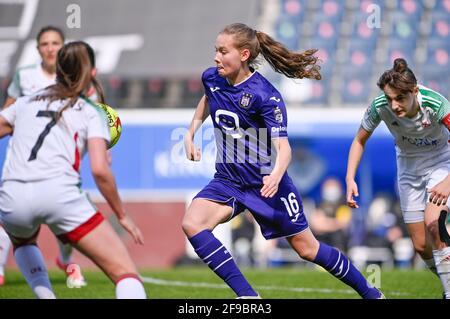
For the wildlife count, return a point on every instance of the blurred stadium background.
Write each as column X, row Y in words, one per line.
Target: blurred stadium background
column 150, row 58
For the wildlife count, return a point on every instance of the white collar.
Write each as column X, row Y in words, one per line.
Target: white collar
column 244, row 80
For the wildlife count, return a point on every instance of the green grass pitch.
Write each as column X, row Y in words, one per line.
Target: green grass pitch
column 201, row 283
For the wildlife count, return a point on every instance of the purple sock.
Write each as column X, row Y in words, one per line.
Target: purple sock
column 337, row 264
column 217, row 257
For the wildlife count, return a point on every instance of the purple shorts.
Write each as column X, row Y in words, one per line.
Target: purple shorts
column 279, row 216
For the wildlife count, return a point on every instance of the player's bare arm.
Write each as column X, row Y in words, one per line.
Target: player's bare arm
column 107, row 185
column 284, row 156
column 193, row 153
column 354, row 157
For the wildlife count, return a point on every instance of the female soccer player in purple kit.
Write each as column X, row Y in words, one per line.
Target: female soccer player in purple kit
column 253, row 154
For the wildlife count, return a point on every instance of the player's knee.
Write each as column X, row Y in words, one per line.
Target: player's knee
column 420, row 248
column 308, row 253
column 115, row 271
column 433, row 228
column 19, row 242
column 304, row 249
column 190, row 226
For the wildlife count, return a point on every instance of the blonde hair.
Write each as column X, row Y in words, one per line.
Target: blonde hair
column 291, row 64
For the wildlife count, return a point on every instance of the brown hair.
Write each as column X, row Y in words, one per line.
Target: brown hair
column 50, row 28
column 400, row 77
column 291, row 64
column 73, row 75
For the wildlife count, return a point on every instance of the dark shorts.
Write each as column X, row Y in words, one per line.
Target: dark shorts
column 279, row 216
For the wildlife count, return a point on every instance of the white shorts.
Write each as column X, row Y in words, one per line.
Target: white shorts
column 64, row 207
column 413, row 192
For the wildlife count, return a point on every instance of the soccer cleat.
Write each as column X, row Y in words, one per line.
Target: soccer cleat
column 2, row 280
column 75, row 278
column 382, row 296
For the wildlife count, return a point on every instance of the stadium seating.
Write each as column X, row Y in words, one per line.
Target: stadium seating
column 355, row 89
column 154, row 92
column 354, row 37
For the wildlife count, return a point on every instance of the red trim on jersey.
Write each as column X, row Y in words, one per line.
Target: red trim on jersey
column 76, row 165
column 125, row 276
column 446, row 121
column 75, row 235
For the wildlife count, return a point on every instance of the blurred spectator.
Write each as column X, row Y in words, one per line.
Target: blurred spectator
column 242, row 234
column 331, row 220
column 385, row 229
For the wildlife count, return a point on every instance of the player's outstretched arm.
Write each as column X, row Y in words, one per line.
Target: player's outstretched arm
column 193, row 153
column 106, row 183
column 354, row 157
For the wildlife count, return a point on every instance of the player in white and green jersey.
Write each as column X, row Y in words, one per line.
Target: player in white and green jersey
column 419, row 120
column 27, row 81
column 53, row 129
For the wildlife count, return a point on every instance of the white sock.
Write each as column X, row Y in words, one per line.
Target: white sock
column 31, row 264
column 5, row 245
column 442, row 259
column 65, row 252
column 130, row 288
column 431, row 265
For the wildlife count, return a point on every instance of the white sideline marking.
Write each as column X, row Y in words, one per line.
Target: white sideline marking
column 176, row 283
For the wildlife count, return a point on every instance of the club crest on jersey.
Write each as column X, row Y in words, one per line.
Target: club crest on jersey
column 245, row 100
column 278, row 115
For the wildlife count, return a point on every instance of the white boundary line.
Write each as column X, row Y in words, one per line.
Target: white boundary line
column 176, row 283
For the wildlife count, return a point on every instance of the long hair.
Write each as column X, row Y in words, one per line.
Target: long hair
column 400, row 77
column 73, row 75
column 291, row 64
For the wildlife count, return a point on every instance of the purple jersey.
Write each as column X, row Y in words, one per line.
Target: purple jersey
column 246, row 116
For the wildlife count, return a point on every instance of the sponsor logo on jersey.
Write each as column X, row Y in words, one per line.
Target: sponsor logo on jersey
column 279, row 129
column 214, row 89
column 245, row 100
column 278, row 115
column 420, row 141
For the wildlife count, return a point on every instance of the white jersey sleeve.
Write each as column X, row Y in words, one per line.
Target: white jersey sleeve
column 372, row 117
column 443, row 114
column 28, row 80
